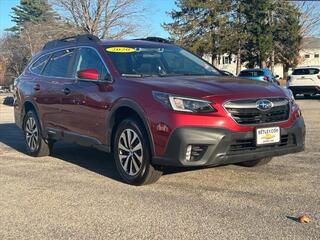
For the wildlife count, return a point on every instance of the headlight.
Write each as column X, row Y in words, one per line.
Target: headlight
column 184, row 104
column 292, row 100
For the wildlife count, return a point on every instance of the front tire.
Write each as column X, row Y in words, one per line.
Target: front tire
column 256, row 163
column 36, row 145
column 132, row 154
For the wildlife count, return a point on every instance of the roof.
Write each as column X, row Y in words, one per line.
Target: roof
column 311, row 43
column 133, row 43
column 311, row 66
column 252, row 69
column 90, row 39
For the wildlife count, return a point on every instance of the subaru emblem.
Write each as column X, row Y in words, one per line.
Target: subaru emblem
column 264, row 105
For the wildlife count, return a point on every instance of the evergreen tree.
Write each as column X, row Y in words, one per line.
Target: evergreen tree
column 259, row 32
column 199, row 25
column 33, row 11
column 235, row 37
column 287, row 35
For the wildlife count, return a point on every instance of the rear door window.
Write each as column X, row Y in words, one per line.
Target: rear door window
column 59, row 64
column 251, row 74
column 39, row 64
column 89, row 59
column 305, row 71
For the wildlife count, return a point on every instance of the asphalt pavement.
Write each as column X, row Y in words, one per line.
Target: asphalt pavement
column 77, row 194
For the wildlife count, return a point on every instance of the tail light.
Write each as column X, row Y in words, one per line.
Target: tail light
column 318, row 76
column 266, row 78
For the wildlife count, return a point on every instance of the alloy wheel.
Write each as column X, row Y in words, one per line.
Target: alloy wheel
column 32, row 134
column 130, row 151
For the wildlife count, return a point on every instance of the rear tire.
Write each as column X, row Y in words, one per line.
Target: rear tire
column 36, row 145
column 132, row 154
column 256, row 163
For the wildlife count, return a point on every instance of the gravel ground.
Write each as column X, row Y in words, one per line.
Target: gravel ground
column 77, row 194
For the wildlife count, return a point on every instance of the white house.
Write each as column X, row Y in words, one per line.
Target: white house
column 309, row 55
column 310, row 52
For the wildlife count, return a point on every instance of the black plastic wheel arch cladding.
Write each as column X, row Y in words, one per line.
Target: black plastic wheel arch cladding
column 140, row 113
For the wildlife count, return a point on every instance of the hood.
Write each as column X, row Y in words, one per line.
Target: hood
column 205, row 87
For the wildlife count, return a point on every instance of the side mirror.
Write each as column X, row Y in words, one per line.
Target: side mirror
column 90, row 73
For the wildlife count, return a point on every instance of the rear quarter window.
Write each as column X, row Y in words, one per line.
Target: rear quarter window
column 39, row 64
column 251, row 74
column 306, row 71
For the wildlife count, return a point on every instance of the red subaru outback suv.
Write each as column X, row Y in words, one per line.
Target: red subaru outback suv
column 151, row 104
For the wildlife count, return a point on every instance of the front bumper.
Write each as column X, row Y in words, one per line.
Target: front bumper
column 222, row 146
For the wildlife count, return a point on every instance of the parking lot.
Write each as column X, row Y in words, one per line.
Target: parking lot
column 77, row 194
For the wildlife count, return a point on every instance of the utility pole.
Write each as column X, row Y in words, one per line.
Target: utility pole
column 271, row 19
column 238, row 68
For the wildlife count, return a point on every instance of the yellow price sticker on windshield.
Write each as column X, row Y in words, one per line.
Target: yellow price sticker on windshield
column 121, row 49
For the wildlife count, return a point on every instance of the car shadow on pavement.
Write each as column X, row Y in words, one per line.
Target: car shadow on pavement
column 88, row 158
column 12, row 136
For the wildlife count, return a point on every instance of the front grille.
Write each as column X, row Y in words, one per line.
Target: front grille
column 246, row 111
column 249, row 145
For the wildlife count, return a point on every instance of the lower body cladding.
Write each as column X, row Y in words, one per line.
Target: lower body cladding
column 205, row 146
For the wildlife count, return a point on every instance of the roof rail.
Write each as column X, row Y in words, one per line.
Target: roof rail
column 85, row 38
column 155, row 39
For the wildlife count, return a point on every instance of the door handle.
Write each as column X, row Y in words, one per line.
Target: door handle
column 66, row 91
column 36, row 87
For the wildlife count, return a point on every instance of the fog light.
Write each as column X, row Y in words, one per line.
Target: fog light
column 195, row 152
column 198, row 151
column 188, row 152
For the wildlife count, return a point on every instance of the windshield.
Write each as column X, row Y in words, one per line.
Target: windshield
column 164, row 61
column 305, row 71
column 254, row 73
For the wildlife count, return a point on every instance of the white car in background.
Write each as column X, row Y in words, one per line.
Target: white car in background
column 305, row 80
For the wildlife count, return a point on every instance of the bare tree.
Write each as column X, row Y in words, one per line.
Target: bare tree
column 34, row 36
column 104, row 18
column 310, row 18
column 14, row 55
column 3, row 66
column 17, row 50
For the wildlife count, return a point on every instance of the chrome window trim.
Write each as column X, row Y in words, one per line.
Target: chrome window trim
column 74, row 78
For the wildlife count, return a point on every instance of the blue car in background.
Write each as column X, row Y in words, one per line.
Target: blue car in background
column 260, row 74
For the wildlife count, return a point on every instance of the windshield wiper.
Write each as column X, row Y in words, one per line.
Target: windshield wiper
column 193, row 74
column 181, row 74
column 136, row 75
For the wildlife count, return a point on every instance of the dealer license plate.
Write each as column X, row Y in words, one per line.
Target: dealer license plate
column 267, row 135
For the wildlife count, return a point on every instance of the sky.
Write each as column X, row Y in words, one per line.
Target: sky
column 155, row 15
column 5, row 9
